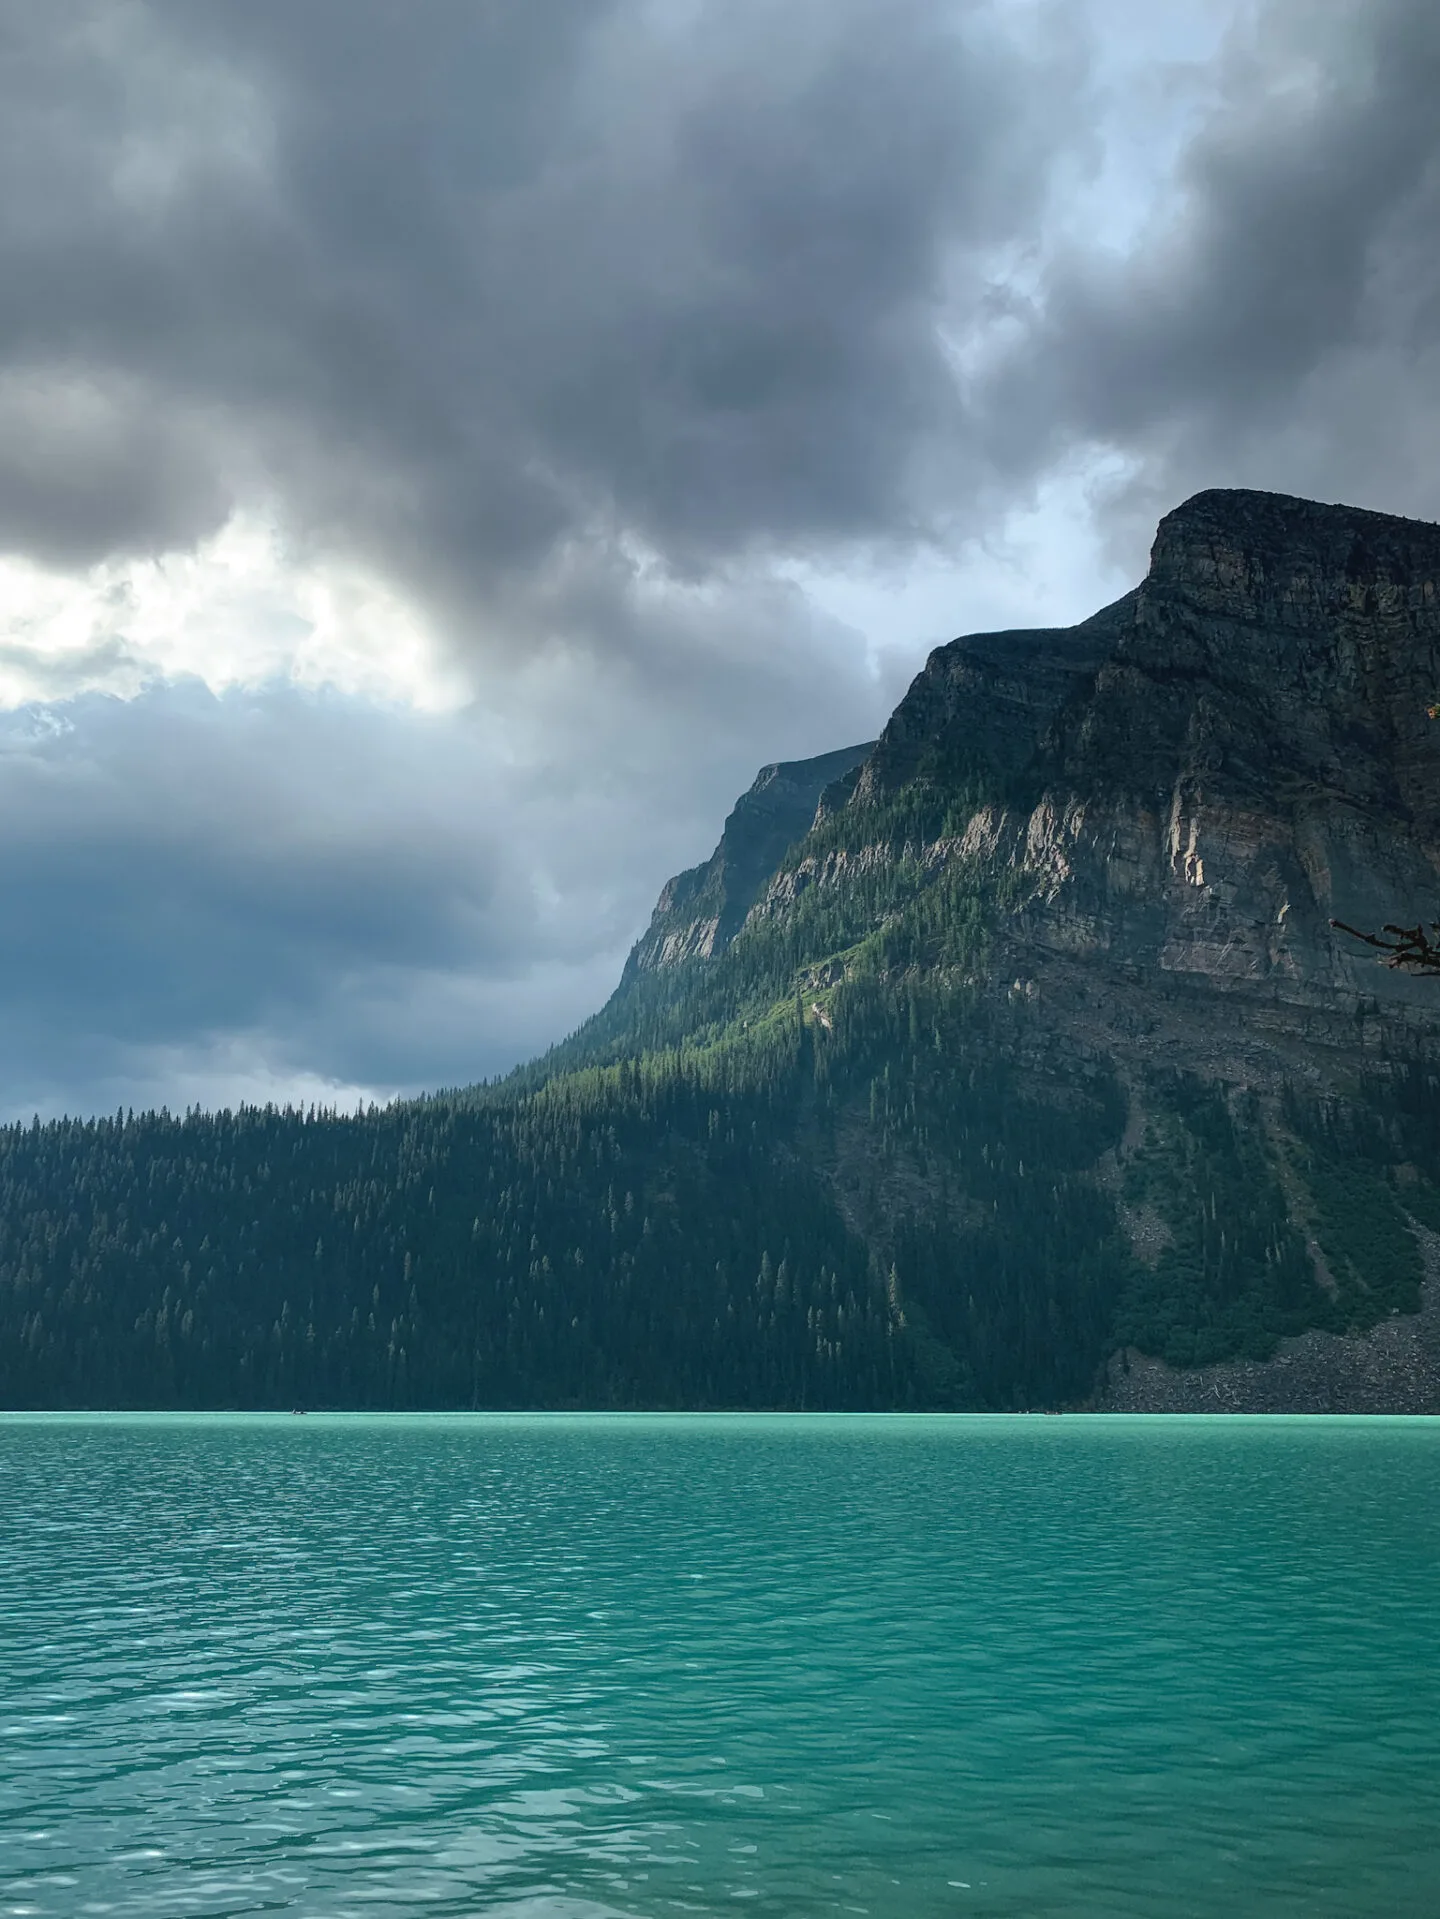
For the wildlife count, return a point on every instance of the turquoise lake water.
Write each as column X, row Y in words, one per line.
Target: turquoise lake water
column 577, row 1668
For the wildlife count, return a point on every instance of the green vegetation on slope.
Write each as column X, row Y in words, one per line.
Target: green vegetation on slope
column 1236, row 1274
column 1237, row 1191
column 675, row 1213
column 620, row 1242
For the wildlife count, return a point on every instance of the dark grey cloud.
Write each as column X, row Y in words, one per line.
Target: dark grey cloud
column 90, row 466
column 229, row 897
column 179, row 868
column 466, row 284
column 474, row 289
column 567, row 316
column 1278, row 321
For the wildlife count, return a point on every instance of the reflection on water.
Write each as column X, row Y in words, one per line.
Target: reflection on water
column 586, row 1667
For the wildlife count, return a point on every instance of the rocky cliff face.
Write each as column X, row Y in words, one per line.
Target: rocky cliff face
column 1192, row 784
column 700, row 911
column 1253, row 757
column 1157, row 814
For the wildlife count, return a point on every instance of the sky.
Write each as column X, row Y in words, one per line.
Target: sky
column 448, row 446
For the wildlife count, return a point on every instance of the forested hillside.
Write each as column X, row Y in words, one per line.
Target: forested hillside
column 969, row 1060
column 658, row 1233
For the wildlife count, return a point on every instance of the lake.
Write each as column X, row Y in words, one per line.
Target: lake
column 592, row 1666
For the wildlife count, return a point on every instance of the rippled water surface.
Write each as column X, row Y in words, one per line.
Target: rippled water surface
column 634, row 1666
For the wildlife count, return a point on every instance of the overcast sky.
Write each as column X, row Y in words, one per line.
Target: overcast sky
column 447, row 446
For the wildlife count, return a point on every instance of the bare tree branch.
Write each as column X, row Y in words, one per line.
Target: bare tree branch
column 1411, row 947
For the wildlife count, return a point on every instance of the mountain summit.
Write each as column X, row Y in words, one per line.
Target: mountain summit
column 1175, row 797
column 1011, row 1060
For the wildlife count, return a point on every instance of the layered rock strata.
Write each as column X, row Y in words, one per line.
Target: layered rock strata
column 1195, row 782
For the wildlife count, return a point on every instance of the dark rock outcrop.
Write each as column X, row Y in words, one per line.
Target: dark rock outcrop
column 1196, row 781
column 700, row 911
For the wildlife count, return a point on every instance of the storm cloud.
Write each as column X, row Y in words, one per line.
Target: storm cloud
column 1276, row 322
column 286, row 893
column 469, row 285
column 574, row 374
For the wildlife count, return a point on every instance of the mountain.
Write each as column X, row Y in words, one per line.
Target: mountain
column 1010, row 1061
column 701, row 910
